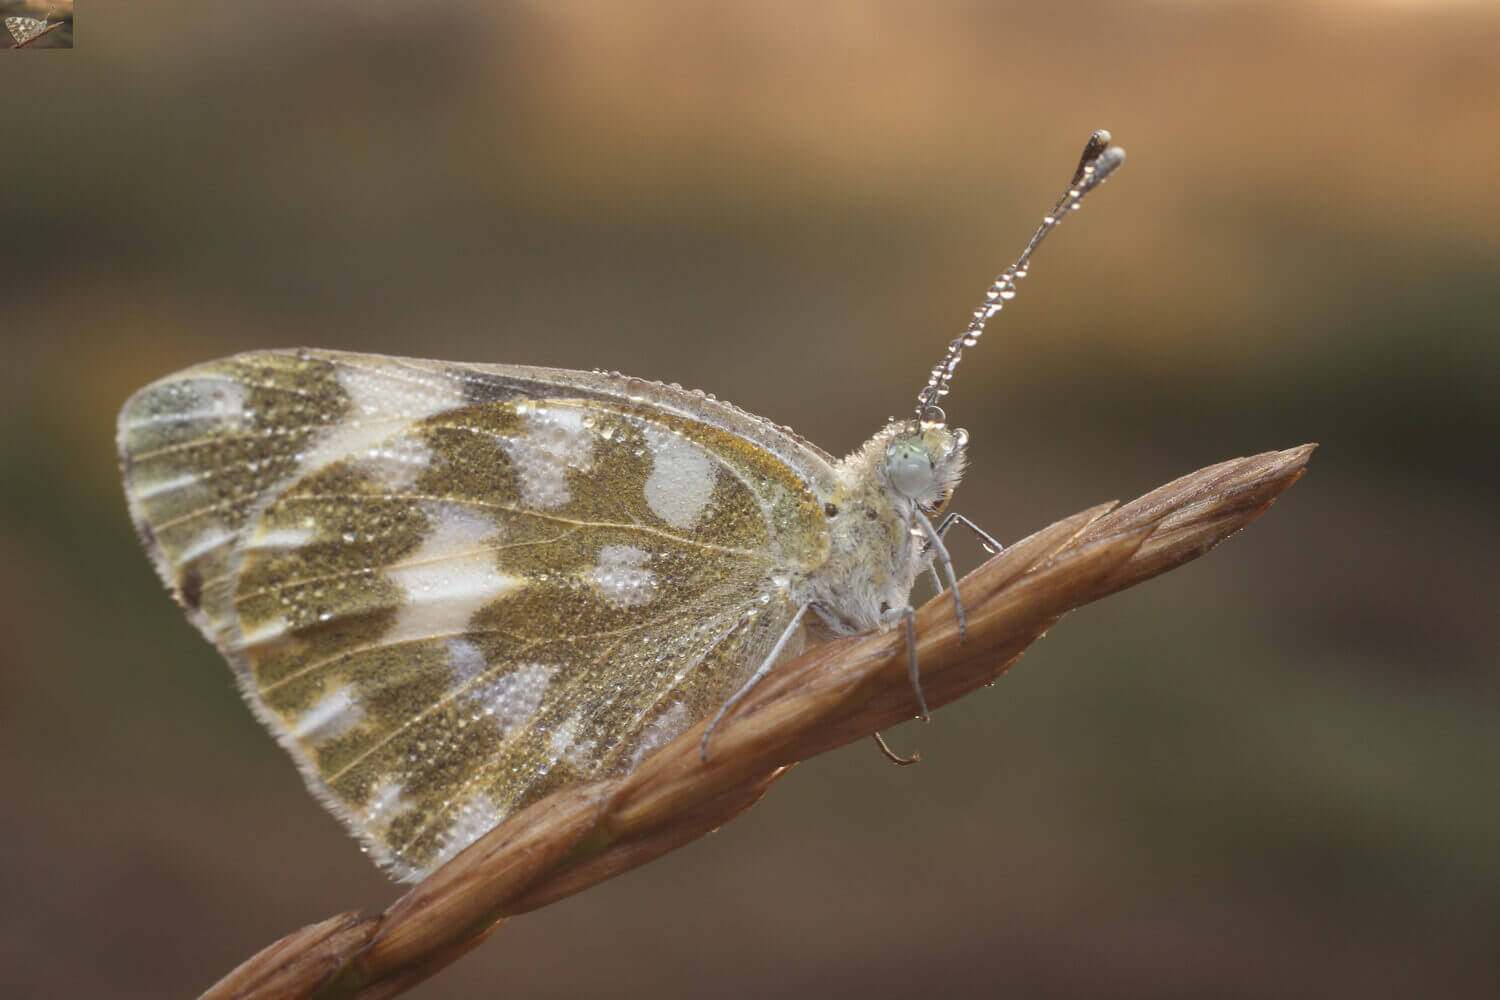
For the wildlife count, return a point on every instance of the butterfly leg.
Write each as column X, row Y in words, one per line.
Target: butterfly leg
column 990, row 545
column 909, row 619
column 909, row 622
column 755, row 678
column 893, row 756
column 985, row 539
column 940, row 556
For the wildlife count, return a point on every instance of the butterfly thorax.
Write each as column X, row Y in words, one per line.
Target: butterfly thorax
column 905, row 471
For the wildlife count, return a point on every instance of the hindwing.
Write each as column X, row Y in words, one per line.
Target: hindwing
column 23, row 29
column 450, row 589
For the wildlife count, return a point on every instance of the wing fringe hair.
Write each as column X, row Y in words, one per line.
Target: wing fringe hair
column 832, row 695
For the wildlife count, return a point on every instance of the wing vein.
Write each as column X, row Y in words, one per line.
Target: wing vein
column 372, row 570
column 523, row 512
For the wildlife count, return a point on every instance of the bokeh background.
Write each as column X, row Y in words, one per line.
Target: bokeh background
column 1271, row 773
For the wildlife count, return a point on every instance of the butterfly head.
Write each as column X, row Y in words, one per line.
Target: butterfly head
column 924, row 460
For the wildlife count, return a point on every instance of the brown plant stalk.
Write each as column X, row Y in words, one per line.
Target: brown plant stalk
column 834, row 694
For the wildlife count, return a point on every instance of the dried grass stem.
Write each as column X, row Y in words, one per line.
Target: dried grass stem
column 834, row 694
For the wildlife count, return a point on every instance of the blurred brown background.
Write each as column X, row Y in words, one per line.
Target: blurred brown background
column 1271, row 773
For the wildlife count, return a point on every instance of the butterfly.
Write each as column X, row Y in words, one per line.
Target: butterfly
column 24, row 29
column 448, row 589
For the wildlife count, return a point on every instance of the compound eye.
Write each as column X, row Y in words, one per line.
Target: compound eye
column 910, row 469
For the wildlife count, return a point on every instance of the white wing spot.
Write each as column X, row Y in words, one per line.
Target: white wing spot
column 191, row 401
column 284, row 537
column 621, row 578
column 465, row 660
column 215, row 536
column 667, row 727
column 268, row 632
column 332, row 716
column 511, row 697
column 182, row 482
column 451, row 575
column 581, row 755
column 563, row 738
column 681, row 481
column 555, row 440
column 380, row 406
column 396, row 465
column 476, row 816
column 385, row 803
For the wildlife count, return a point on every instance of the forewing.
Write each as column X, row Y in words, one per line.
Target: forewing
column 448, row 590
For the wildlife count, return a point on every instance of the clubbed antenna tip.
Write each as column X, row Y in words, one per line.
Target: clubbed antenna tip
column 1098, row 161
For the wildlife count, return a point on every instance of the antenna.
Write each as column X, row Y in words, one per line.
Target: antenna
column 1098, row 161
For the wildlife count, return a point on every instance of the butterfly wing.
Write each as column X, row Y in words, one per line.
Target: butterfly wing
column 450, row 589
column 24, row 28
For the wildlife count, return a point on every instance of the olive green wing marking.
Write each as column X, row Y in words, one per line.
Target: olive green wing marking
column 449, row 590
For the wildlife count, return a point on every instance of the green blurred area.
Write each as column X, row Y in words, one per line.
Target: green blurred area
column 1271, row 773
